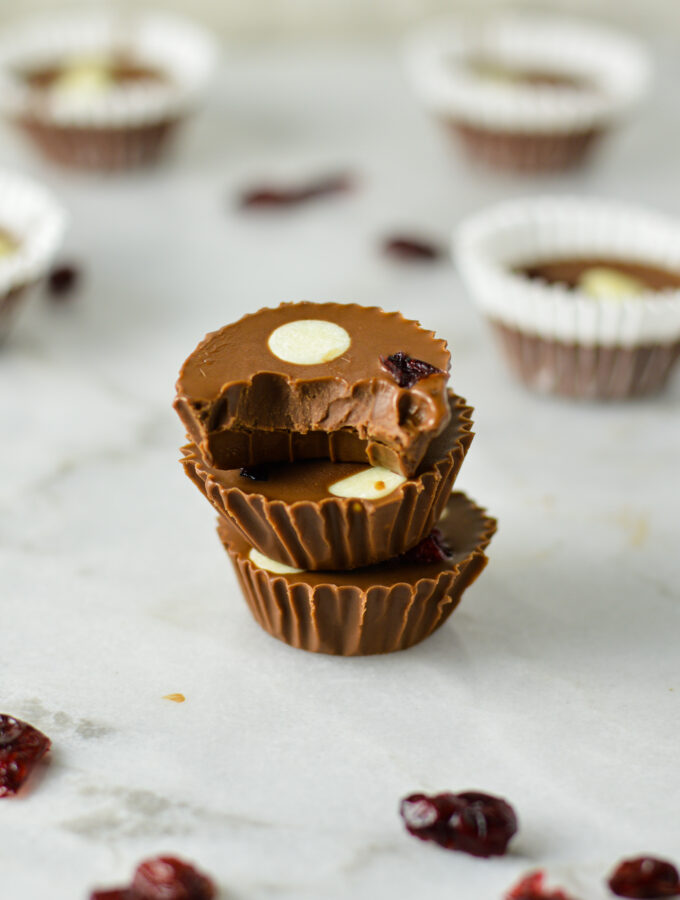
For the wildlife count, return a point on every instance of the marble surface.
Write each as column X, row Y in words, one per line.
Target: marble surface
column 556, row 683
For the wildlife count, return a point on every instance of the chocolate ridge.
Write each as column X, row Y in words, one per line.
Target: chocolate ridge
column 342, row 532
column 378, row 609
column 249, row 416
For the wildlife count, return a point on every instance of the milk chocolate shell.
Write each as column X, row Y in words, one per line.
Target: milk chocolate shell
column 517, row 151
column 99, row 148
column 287, row 512
column 378, row 609
column 310, row 380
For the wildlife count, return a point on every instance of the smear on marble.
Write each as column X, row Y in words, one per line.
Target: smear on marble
column 61, row 722
column 134, row 813
column 176, row 698
column 635, row 526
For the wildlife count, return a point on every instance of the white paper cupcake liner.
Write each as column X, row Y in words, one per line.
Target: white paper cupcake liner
column 179, row 49
column 490, row 244
column 32, row 216
column 615, row 68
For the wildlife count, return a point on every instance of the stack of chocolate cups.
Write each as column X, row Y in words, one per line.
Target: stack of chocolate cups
column 326, row 438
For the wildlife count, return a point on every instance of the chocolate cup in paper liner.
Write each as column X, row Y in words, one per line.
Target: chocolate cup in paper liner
column 101, row 149
column 126, row 126
column 34, row 221
column 527, row 124
column 528, row 153
column 601, row 373
column 378, row 609
column 293, row 519
column 558, row 339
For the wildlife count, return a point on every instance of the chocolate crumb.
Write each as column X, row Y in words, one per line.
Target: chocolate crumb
column 406, row 370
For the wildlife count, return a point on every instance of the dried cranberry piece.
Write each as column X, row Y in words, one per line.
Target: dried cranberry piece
column 432, row 549
column 410, row 249
column 21, row 746
column 167, row 878
column 471, row 822
column 62, row 280
column 267, row 195
column 255, row 473
column 645, row 876
column 406, row 370
column 532, row 887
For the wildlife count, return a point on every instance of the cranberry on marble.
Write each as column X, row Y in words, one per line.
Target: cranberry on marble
column 272, row 196
column 21, row 747
column 62, row 280
column 645, row 876
column 533, row 887
column 471, row 822
column 411, row 249
column 163, row 878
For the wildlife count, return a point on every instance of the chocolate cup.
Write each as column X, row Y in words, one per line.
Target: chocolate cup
column 586, row 372
column 523, row 151
column 102, row 149
column 329, row 532
column 378, row 609
column 242, row 405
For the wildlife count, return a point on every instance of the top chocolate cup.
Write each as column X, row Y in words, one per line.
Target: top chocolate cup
column 523, row 91
column 103, row 89
column 313, row 380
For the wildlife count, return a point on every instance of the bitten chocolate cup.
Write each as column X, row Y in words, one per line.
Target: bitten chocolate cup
column 291, row 512
column 378, row 609
column 316, row 380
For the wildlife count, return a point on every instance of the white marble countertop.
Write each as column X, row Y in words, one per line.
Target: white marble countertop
column 556, row 684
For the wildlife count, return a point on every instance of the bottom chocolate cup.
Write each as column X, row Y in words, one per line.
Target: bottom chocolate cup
column 379, row 609
column 525, row 152
column 587, row 372
column 100, row 148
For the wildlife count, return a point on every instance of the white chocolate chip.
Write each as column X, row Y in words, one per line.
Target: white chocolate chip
column 271, row 565
column 369, row 484
column 84, row 77
column 7, row 245
column 308, row 342
column 604, row 283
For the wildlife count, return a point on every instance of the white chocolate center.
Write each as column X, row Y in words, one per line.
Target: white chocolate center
column 603, row 283
column 308, row 342
column 271, row 565
column 369, row 484
column 84, row 77
column 7, row 246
